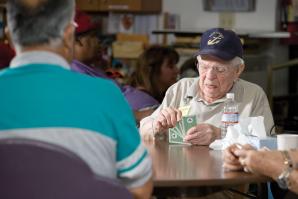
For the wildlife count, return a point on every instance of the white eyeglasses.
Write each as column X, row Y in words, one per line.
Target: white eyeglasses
column 218, row 69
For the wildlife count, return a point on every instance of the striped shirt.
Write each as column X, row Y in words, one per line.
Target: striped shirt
column 42, row 99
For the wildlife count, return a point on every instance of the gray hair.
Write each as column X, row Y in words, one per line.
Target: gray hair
column 236, row 61
column 38, row 22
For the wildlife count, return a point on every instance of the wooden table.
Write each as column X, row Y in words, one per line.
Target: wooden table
column 188, row 169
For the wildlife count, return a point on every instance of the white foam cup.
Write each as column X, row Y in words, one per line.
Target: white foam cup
column 287, row 141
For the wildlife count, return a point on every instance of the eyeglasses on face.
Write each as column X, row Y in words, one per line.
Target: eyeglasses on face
column 218, row 69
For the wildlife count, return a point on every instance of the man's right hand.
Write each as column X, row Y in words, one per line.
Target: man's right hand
column 166, row 119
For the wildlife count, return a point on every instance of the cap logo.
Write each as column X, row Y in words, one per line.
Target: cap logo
column 215, row 38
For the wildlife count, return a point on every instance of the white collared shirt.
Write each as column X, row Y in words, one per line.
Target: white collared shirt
column 38, row 57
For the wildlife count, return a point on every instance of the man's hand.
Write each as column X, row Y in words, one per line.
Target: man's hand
column 202, row 134
column 234, row 157
column 231, row 161
column 263, row 162
column 166, row 119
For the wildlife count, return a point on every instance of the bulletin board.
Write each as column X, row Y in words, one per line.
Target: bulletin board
column 229, row 5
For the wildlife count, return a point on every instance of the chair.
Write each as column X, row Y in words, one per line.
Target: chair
column 31, row 169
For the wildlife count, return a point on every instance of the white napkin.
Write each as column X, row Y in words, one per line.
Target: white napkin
column 245, row 132
column 252, row 126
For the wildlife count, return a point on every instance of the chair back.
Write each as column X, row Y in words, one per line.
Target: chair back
column 31, row 169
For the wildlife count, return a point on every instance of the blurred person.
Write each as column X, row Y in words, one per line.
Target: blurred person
column 87, row 52
column 6, row 55
column 189, row 68
column 42, row 99
column 281, row 166
column 220, row 63
column 156, row 71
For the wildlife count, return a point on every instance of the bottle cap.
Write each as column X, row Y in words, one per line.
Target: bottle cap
column 230, row 96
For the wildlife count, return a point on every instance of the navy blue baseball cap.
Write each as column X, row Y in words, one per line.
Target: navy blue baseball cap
column 221, row 43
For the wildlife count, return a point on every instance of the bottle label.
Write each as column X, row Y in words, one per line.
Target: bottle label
column 230, row 118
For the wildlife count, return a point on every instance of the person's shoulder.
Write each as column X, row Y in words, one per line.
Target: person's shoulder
column 249, row 85
column 92, row 80
column 138, row 99
column 98, row 87
column 5, row 71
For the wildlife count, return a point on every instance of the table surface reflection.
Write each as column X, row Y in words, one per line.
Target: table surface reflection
column 186, row 166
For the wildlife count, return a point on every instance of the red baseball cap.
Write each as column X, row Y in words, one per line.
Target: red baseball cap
column 84, row 22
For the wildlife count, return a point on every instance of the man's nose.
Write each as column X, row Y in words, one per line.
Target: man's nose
column 211, row 73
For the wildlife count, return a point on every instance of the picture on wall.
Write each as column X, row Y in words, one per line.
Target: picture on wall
column 229, row 5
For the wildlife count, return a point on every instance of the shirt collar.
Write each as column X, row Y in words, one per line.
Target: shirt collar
column 38, row 57
column 192, row 91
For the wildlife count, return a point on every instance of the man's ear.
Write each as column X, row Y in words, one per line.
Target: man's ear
column 68, row 43
column 68, row 36
column 240, row 69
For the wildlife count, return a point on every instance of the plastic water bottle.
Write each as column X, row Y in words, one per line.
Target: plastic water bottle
column 230, row 115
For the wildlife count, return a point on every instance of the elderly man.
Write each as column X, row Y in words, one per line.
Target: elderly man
column 43, row 99
column 220, row 64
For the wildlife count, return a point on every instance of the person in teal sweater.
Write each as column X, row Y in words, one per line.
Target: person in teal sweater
column 41, row 98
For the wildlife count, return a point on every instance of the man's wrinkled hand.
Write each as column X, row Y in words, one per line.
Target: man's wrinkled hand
column 202, row 134
column 166, row 119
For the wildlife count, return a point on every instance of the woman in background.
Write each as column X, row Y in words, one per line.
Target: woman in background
column 156, row 71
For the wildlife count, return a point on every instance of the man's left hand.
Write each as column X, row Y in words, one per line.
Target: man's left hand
column 202, row 134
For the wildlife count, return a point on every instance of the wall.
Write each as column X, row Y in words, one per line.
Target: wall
column 193, row 16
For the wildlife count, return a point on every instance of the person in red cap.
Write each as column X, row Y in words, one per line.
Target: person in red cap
column 6, row 55
column 87, row 52
column 87, row 46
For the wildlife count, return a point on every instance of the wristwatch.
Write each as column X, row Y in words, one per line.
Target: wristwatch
column 283, row 178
